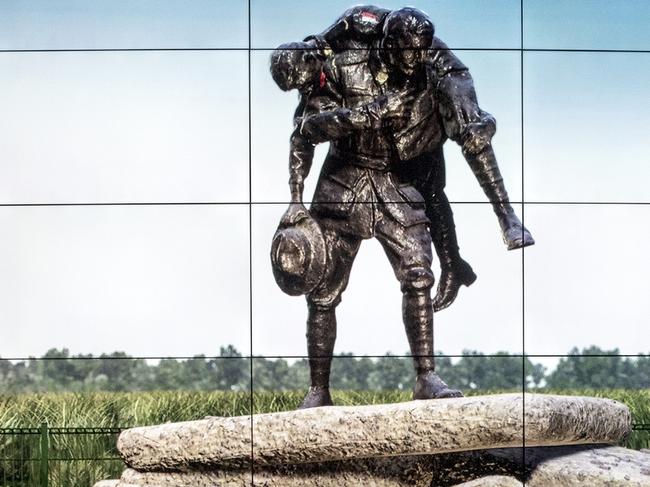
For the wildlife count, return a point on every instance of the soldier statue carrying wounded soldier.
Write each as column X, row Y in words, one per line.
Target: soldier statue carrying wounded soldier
column 387, row 94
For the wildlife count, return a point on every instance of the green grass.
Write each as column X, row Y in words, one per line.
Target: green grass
column 120, row 410
column 117, row 409
column 88, row 457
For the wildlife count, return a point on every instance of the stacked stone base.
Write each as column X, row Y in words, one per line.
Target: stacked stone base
column 476, row 441
column 587, row 465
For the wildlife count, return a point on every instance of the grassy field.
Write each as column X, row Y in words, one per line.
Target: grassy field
column 84, row 458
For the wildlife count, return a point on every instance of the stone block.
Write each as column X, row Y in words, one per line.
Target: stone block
column 567, row 466
column 347, row 432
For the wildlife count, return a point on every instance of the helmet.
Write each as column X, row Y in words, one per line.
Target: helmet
column 298, row 256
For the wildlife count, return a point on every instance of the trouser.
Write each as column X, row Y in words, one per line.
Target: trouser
column 409, row 252
column 427, row 174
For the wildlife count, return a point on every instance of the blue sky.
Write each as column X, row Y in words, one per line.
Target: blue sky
column 173, row 126
column 102, row 24
column 587, row 24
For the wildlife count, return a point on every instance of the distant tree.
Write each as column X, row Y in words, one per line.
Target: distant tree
column 392, row 373
column 535, row 374
column 19, row 379
column 298, row 376
column 271, row 375
column 118, row 369
column 198, row 374
column 584, row 370
column 499, row 371
column 143, row 376
column 230, row 371
column 57, row 370
column 351, row 373
column 5, row 369
column 642, row 372
column 169, row 375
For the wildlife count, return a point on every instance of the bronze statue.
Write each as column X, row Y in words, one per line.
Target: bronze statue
column 387, row 94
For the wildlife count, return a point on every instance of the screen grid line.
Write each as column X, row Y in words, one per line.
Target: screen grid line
column 272, row 203
column 256, row 49
column 250, row 241
column 523, row 250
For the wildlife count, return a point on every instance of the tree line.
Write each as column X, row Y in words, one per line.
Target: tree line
column 58, row 371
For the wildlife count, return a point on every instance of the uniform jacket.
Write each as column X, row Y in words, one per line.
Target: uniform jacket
column 357, row 182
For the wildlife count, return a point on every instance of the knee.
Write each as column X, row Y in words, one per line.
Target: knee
column 417, row 279
column 323, row 305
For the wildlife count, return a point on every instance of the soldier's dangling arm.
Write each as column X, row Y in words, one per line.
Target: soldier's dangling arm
column 301, row 155
column 455, row 89
column 473, row 129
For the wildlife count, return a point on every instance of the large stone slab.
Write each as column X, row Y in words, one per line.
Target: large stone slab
column 572, row 466
column 585, row 466
column 562, row 466
column 412, row 471
column 107, row 483
column 344, row 432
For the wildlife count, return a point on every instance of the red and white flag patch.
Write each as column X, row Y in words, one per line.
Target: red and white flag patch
column 368, row 17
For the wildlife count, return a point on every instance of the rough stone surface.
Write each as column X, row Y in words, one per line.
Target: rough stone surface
column 562, row 466
column 585, row 466
column 344, row 432
column 107, row 483
column 492, row 481
column 385, row 472
column 572, row 466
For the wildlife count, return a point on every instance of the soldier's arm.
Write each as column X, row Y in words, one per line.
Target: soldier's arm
column 443, row 59
column 301, row 152
column 342, row 122
column 464, row 121
column 327, row 120
column 301, row 155
column 455, row 91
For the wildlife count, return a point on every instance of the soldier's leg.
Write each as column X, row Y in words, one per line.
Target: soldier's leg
column 409, row 252
column 321, row 320
column 455, row 271
column 478, row 152
column 473, row 129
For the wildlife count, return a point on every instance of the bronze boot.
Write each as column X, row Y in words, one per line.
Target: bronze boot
column 485, row 168
column 321, row 335
column 418, row 320
column 455, row 271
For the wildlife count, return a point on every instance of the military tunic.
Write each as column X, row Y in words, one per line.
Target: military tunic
column 358, row 195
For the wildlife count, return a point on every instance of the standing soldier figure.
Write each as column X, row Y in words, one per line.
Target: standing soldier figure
column 379, row 107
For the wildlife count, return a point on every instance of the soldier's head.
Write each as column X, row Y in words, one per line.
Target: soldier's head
column 408, row 33
column 296, row 65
